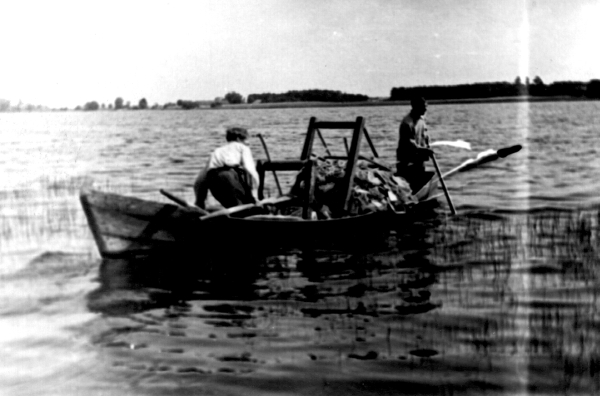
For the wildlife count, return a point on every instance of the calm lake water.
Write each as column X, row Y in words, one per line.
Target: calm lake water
column 500, row 299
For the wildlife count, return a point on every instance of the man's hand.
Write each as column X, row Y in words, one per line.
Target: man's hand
column 426, row 151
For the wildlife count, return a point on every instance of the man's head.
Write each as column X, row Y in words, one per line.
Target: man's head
column 236, row 134
column 419, row 105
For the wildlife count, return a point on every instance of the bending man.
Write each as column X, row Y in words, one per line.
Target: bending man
column 230, row 173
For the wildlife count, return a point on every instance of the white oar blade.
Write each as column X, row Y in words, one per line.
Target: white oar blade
column 455, row 143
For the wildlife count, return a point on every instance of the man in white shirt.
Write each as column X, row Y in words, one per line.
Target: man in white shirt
column 230, row 173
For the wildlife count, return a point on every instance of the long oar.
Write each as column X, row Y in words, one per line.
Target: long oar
column 182, row 202
column 483, row 158
column 223, row 212
column 240, row 208
column 262, row 140
column 446, row 193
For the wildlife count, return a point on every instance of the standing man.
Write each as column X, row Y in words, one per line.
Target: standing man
column 413, row 146
column 230, row 173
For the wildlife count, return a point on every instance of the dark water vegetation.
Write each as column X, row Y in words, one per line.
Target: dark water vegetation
column 501, row 299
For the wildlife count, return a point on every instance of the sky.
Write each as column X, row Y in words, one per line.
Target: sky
column 66, row 53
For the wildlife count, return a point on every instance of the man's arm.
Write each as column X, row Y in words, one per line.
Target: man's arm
column 407, row 138
column 248, row 164
column 408, row 146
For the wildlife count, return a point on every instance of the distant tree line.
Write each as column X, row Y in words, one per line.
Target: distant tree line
column 484, row 90
column 537, row 87
column 118, row 105
column 6, row 106
column 311, row 95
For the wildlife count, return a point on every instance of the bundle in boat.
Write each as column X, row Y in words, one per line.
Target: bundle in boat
column 374, row 189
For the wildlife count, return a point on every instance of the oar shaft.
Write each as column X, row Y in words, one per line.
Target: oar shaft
column 240, row 208
column 182, row 202
column 174, row 198
column 446, row 193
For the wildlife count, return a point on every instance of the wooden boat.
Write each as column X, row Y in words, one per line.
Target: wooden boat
column 127, row 226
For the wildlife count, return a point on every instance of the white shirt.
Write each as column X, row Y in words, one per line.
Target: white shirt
column 234, row 154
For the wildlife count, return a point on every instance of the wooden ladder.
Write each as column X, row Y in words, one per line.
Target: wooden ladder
column 306, row 163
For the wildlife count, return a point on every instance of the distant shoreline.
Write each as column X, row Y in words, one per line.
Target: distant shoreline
column 369, row 103
column 286, row 105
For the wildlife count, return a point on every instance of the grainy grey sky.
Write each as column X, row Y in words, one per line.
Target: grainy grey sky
column 67, row 53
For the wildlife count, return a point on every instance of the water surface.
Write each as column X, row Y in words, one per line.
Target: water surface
column 501, row 299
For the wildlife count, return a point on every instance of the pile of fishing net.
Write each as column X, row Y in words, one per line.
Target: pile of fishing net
column 375, row 188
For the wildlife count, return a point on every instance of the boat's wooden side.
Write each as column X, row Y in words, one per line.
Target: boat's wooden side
column 125, row 226
column 273, row 234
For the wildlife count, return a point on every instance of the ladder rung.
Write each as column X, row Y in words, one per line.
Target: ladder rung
column 335, row 124
column 286, row 165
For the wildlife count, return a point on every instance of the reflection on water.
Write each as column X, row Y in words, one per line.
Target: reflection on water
column 497, row 302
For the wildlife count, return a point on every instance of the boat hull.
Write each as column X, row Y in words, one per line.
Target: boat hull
column 126, row 226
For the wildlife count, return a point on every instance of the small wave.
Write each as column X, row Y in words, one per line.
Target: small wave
column 47, row 284
column 52, row 263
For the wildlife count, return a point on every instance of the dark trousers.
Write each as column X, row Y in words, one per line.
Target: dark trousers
column 415, row 175
column 231, row 186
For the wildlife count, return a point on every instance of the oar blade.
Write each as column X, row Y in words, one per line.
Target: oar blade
column 506, row 151
column 483, row 158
